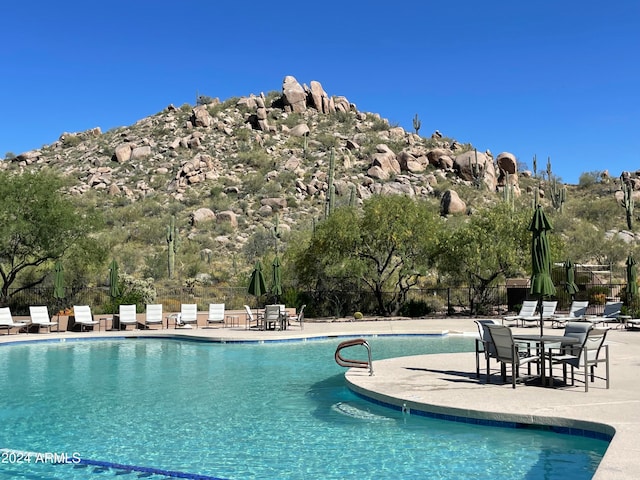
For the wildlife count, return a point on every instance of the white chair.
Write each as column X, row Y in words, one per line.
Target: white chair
column 40, row 318
column 527, row 313
column 508, row 353
column 299, row 318
column 216, row 313
column 84, row 317
column 611, row 312
column 484, row 345
column 577, row 310
column 188, row 315
column 153, row 315
column 548, row 311
column 6, row 321
column 586, row 356
column 272, row 317
column 128, row 316
column 251, row 321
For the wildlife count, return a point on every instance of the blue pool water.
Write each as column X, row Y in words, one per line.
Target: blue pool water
column 248, row 411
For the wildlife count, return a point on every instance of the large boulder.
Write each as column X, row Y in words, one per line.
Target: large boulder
column 201, row 117
column 123, row 153
column 229, row 217
column 470, row 162
column 385, row 160
column 202, row 215
column 293, row 95
column 451, row 203
column 319, row 98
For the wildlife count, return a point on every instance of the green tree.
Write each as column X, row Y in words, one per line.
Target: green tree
column 39, row 224
column 386, row 247
column 492, row 245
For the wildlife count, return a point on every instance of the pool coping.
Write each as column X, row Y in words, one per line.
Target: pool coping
column 604, row 411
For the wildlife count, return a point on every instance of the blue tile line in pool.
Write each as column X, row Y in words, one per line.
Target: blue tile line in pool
column 580, row 432
column 153, row 471
column 182, row 338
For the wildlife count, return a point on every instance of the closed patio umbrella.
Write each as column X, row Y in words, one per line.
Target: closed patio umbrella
column 632, row 279
column 114, row 290
column 276, row 284
column 570, row 278
column 541, row 283
column 257, row 285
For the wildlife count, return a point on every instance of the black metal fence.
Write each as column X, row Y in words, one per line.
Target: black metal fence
column 443, row 301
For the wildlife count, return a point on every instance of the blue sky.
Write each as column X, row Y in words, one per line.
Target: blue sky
column 556, row 79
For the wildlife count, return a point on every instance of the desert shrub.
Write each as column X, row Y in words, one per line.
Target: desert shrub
column 258, row 159
column 71, row 140
column 598, row 295
column 589, row 179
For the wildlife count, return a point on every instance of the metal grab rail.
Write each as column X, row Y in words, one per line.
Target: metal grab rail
column 345, row 362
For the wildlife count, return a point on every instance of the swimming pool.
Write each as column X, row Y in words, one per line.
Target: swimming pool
column 249, row 411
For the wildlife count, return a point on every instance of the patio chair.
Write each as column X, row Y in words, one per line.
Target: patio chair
column 587, row 356
column 577, row 310
column 611, row 312
column 153, row 315
column 216, row 313
column 548, row 310
column 7, row 323
column 272, row 317
column 250, row 319
column 527, row 312
column 84, row 317
column 40, row 318
column 299, row 318
column 484, row 345
column 508, row 353
column 188, row 315
column 127, row 316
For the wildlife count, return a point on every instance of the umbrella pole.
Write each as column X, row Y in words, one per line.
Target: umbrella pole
column 541, row 318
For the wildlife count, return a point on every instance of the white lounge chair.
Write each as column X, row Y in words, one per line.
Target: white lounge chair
column 527, row 313
column 611, row 312
column 40, row 318
column 6, row 321
column 577, row 310
column 153, row 315
column 216, row 313
column 188, row 315
column 251, row 321
column 84, row 317
column 128, row 316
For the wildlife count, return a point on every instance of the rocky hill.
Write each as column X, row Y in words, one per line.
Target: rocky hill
column 227, row 170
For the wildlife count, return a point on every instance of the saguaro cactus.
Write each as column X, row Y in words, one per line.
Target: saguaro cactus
column 558, row 191
column 627, row 201
column 507, row 191
column 416, row 123
column 172, row 244
column 352, row 196
column 477, row 171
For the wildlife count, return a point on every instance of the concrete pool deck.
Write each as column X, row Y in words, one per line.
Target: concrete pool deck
column 446, row 383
